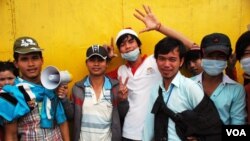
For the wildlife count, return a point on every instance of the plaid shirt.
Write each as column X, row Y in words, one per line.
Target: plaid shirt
column 29, row 129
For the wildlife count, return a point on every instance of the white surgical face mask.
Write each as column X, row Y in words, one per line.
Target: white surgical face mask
column 245, row 65
column 213, row 67
column 132, row 55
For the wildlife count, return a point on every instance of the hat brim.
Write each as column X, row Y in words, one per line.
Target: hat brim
column 28, row 50
column 217, row 48
column 95, row 54
column 125, row 31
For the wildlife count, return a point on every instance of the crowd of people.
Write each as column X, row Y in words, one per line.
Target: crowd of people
column 147, row 98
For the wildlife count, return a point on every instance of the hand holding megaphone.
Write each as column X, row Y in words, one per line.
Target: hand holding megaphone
column 52, row 78
column 62, row 90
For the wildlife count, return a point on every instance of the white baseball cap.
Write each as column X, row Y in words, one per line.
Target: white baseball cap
column 125, row 31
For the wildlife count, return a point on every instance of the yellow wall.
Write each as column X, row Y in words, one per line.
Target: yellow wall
column 65, row 28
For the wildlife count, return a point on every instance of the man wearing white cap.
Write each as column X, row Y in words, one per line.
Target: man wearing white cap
column 142, row 72
column 215, row 42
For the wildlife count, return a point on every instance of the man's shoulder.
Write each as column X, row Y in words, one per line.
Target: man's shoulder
column 190, row 86
column 186, row 80
column 231, row 83
column 149, row 58
column 78, row 87
column 81, row 81
column 112, row 80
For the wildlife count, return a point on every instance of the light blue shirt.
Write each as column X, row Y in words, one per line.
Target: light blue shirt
column 229, row 99
column 185, row 95
column 107, row 83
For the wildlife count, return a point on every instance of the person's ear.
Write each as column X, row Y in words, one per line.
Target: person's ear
column 15, row 63
column 181, row 61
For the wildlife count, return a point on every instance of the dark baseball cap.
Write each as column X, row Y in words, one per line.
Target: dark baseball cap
column 24, row 45
column 216, row 42
column 97, row 50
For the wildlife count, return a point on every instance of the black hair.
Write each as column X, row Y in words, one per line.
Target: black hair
column 242, row 43
column 16, row 55
column 192, row 55
column 9, row 66
column 119, row 41
column 168, row 44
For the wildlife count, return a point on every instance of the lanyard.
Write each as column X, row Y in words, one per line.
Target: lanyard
column 170, row 91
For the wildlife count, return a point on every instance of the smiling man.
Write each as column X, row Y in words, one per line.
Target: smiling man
column 176, row 92
column 98, row 102
column 34, row 125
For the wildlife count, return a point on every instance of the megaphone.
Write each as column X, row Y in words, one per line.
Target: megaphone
column 51, row 77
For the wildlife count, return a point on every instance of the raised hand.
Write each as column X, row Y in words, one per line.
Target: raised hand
column 110, row 49
column 123, row 90
column 149, row 19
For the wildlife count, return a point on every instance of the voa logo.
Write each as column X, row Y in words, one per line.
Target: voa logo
column 236, row 132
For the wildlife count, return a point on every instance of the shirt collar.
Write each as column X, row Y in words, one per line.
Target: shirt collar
column 19, row 81
column 225, row 79
column 107, row 84
column 175, row 82
column 228, row 80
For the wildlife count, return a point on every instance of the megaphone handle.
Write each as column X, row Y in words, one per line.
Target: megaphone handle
column 62, row 90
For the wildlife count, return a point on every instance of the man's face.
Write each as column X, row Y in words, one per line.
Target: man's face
column 194, row 66
column 6, row 77
column 96, row 65
column 169, row 64
column 30, row 66
column 128, row 44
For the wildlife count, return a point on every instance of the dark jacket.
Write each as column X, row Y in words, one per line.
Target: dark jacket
column 202, row 122
column 73, row 109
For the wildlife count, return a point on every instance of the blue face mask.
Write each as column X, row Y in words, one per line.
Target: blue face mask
column 213, row 67
column 132, row 55
column 245, row 65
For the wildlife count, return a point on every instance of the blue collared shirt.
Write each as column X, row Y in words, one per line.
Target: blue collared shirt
column 106, row 85
column 229, row 99
column 185, row 95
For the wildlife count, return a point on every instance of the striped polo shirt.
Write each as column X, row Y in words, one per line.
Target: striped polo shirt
column 96, row 113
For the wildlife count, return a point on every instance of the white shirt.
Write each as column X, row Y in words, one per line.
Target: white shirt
column 139, row 87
